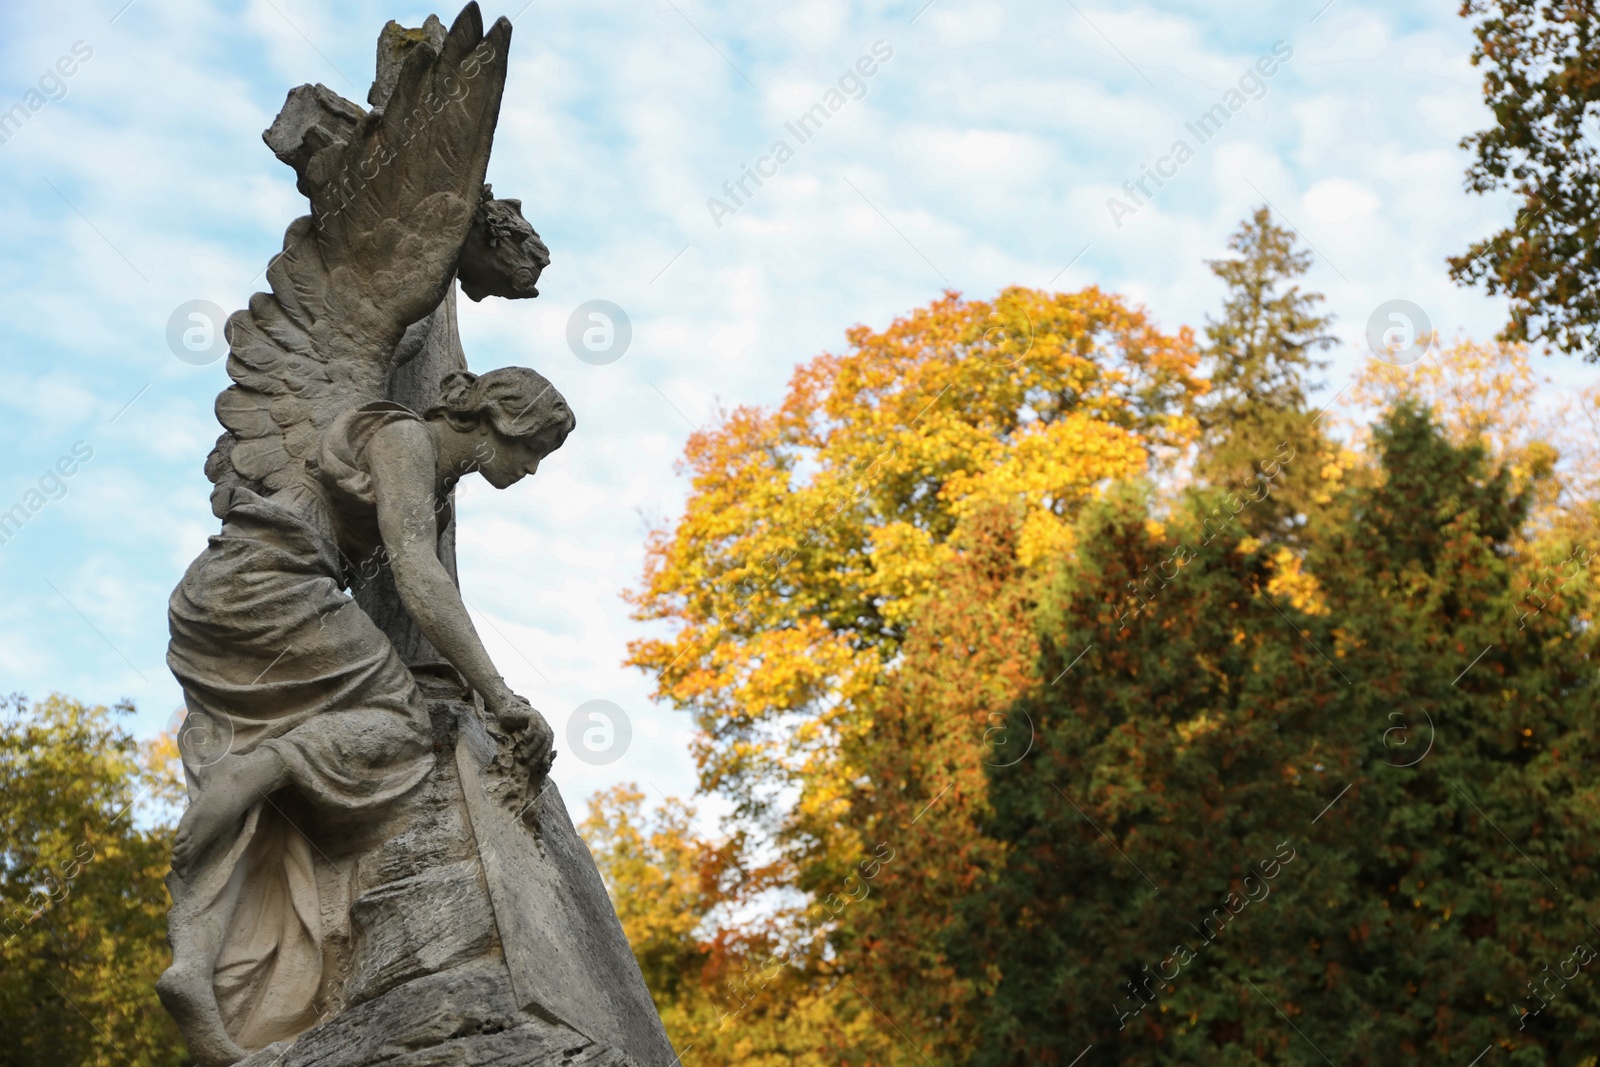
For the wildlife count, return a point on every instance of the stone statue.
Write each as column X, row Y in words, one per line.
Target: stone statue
column 374, row 865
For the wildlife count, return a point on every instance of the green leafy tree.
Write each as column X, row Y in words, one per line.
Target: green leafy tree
column 1260, row 353
column 84, row 906
column 1334, row 805
column 1541, row 61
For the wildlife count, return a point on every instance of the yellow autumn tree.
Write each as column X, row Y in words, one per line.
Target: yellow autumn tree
column 814, row 532
column 82, row 902
column 727, row 993
column 817, row 532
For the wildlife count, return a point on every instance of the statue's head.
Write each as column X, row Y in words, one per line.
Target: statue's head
column 525, row 417
column 502, row 256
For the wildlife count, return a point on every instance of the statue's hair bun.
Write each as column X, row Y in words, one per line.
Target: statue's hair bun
column 456, row 392
column 517, row 401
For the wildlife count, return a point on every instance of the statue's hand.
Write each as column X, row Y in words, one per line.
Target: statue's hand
column 539, row 740
column 511, row 711
column 516, row 715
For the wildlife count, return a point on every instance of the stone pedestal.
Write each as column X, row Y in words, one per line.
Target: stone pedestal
column 470, row 926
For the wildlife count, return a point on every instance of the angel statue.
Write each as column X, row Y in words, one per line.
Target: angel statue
column 319, row 467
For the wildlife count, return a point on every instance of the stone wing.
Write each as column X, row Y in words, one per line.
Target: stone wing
column 393, row 193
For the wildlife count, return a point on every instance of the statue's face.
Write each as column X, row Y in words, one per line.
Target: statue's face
column 510, row 461
column 507, row 460
column 503, row 256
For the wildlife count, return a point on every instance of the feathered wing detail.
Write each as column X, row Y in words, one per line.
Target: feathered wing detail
column 393, row 192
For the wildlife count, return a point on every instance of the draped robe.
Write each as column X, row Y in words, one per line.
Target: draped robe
column 272, row 654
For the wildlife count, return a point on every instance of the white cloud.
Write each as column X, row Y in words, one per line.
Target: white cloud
column 1339, row 202
column 967, row 25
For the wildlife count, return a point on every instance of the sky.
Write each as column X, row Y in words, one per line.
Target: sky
column 984, row 149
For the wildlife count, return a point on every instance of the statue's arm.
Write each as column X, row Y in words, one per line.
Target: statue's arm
column 401, row 462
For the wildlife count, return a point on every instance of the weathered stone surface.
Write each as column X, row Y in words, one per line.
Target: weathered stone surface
column 428, row 828
column 459, row 1018
column 424, row 977
column 313, row 117
column 418, row 926
column 394, row 45
column 564, row 948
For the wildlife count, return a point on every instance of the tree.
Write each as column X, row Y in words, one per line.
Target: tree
column 1487, row 395
column 813, row 533
column 1542, row 79
column 664, row 882
column 1334, row 805
column 745, row 994
column 922, row 799
column 816, row 539
column 84, row 915
column 1007, row 724
column 1159, row 776
column 1259, row 354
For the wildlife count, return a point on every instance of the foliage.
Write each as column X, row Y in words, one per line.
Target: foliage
column 732, row 994
column 820, row 537
column 813, row 981
column 81, row 887
column 1129, row 712
column 1408, row 734
column 663, row 880
column 1259, row 353
column 813, row 533
column 924, row 796
column 1488, row 394
column 1541, row 80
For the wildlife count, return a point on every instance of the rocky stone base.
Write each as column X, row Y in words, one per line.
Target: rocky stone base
column 468, row 925
column 464, row 1017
